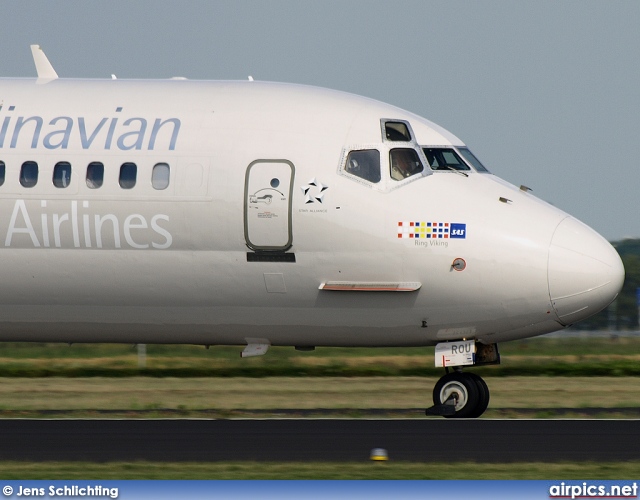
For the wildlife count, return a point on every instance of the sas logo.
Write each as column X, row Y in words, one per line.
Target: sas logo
column 432, row 230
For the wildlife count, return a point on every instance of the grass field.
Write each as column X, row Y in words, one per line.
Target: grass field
column 534, row 357
column 543, row 373
column 316, row 470
column 237, row 397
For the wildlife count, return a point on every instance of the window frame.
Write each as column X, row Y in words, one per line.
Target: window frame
column 385, row 138
column 418, row 169
column 90, row 180
column 446, row 167
column 361, row 177
column 22, row 177
column 124, row 182
column 56, row 167
column 160, row 187
column 472, row 159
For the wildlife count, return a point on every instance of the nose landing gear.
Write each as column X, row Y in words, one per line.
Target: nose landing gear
column 460, row 395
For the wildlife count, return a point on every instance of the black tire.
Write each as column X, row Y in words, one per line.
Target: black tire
column 466, row 390
column 483, row 391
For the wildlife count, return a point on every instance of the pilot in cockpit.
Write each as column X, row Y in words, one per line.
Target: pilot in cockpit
column 404, row 163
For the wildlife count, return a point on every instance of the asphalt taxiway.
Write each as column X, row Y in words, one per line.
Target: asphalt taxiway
column 424, row 440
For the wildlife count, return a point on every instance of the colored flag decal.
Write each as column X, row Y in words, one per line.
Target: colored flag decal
column 431, row 230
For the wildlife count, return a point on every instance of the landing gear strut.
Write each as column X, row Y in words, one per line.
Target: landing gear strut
column 457, row 394
column 460, row 395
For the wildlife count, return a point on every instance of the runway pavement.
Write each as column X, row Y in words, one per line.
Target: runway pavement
column 320, row 440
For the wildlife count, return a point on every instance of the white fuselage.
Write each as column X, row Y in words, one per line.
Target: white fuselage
column 258, row 215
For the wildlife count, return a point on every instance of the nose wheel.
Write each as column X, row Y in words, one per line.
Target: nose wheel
column 460, row 395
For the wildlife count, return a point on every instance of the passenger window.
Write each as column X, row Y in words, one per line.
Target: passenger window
column 29, row 174
column 95, row 174
column 62, row 174
column 404, row 163
column 397, row 131
column 444, row 159
column 2, row 172
column 160, row 176
column 128, row 173
column 365, row 164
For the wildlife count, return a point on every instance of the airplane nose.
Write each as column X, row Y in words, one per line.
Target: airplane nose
column 585, row 272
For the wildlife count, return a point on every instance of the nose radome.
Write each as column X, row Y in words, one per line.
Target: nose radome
column 585, row 272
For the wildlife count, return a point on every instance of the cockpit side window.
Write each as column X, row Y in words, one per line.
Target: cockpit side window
column 471, row 158
column 444, row 159
column 364, row 163
column 403, row 163
column 397, row 131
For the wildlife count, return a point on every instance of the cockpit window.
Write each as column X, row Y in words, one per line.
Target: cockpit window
column 404, row 162
column 364, row 163
column 470, row 157
column 397, row 131
column 444, row 159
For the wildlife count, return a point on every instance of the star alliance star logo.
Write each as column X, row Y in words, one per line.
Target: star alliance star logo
column 314, row 192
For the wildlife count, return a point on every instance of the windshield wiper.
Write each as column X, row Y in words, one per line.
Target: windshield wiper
column 456, row 170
